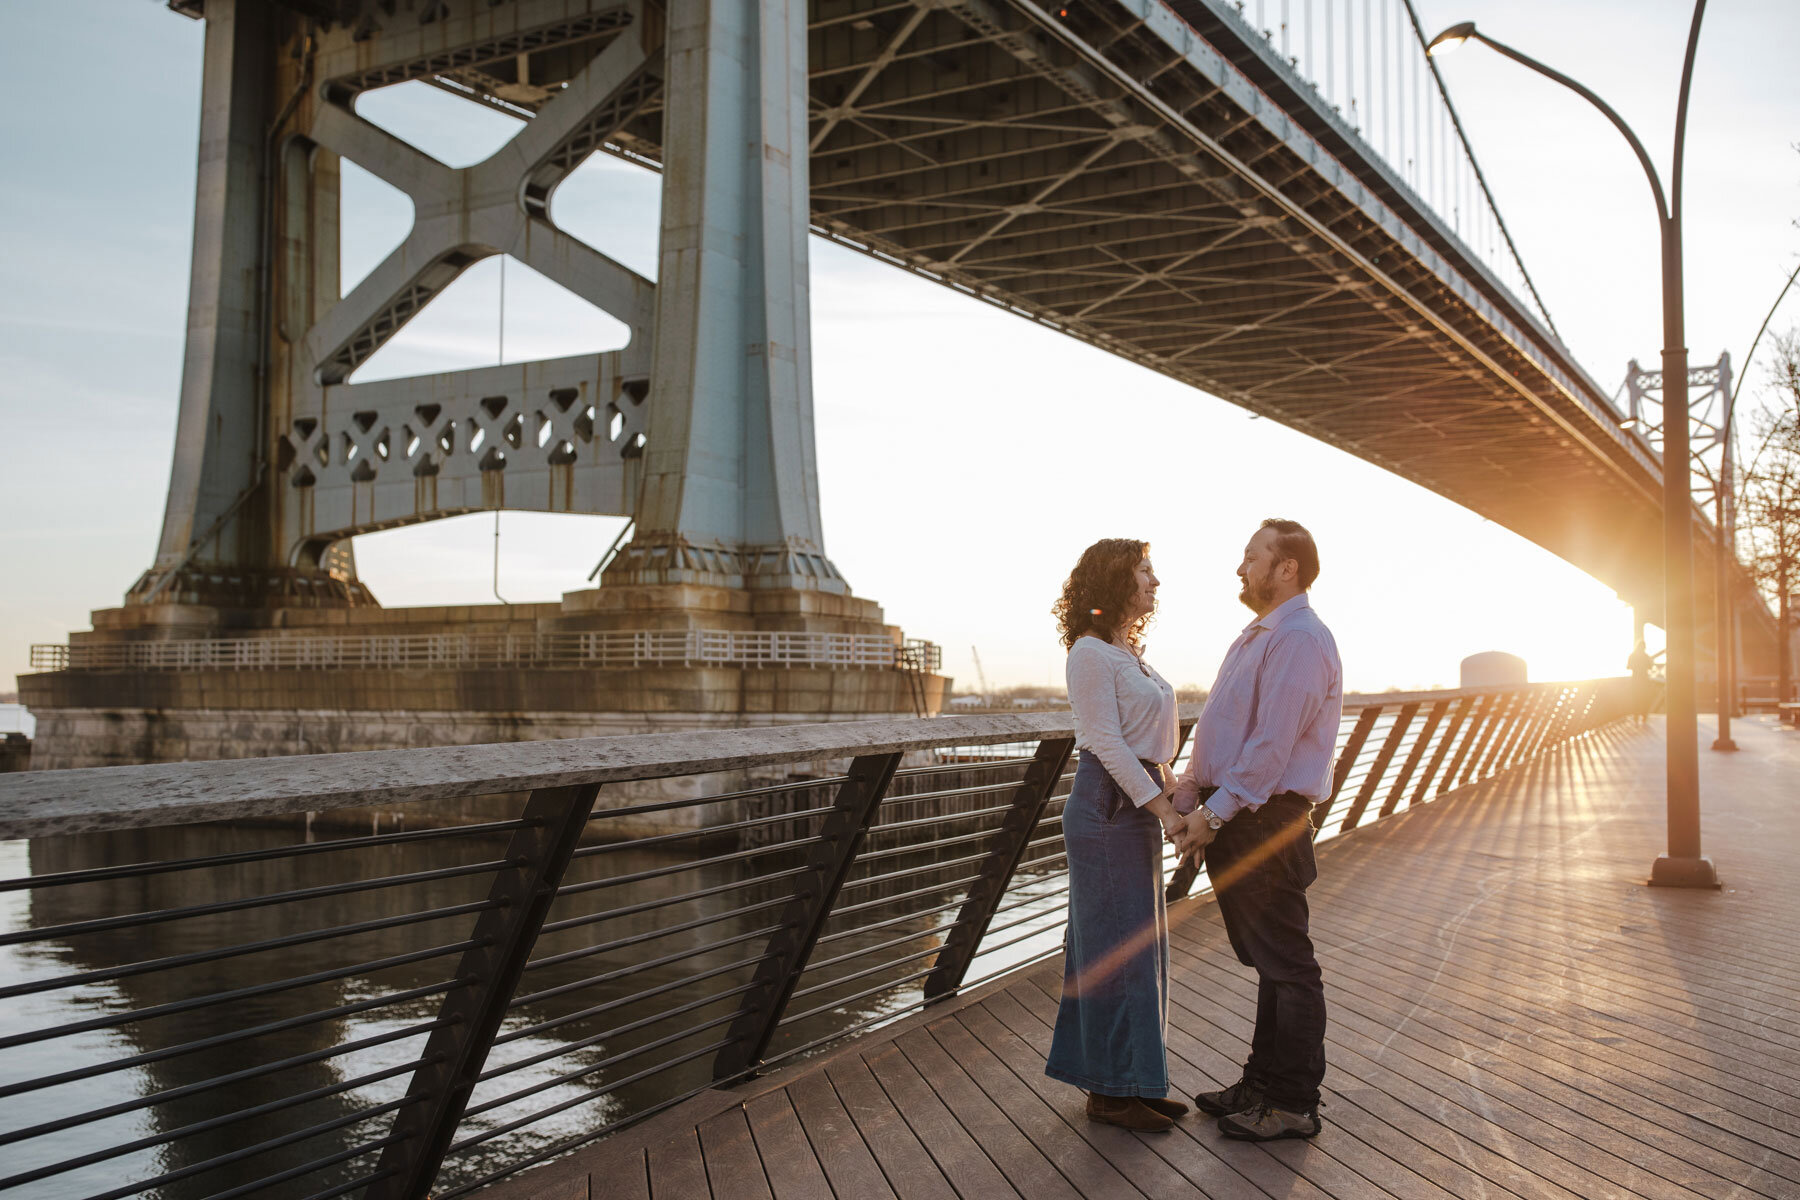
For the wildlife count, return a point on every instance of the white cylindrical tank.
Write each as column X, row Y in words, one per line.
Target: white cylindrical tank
column 1492, row 667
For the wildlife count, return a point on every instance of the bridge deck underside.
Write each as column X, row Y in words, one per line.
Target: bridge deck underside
column 1512, row 1013
column 1146, row 176
column 970, row 142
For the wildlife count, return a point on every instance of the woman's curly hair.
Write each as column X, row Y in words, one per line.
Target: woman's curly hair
column 1097, row 591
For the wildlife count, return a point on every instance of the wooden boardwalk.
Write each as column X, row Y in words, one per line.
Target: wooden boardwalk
column 1513, row 1014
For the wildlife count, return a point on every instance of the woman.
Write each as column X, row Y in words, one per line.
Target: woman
column 1109, row 1027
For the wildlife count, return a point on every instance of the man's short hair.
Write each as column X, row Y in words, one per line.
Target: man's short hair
column 1293, row 541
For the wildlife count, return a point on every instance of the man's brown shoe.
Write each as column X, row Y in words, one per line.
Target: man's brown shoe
column 1173, row 1109
column 1127, row 1112
column 1266, row 1123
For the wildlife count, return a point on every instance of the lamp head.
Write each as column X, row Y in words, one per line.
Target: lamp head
column 1451, row 38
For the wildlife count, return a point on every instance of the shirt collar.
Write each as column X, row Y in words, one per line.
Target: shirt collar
column 1280, row 613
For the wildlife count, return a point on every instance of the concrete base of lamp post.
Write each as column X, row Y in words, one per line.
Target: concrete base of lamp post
column 1724, row 743
column 1684, row 873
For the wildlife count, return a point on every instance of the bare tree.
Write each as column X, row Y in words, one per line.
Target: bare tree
column 1770, row 500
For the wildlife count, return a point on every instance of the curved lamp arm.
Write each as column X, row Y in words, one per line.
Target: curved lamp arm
column 1456, row 35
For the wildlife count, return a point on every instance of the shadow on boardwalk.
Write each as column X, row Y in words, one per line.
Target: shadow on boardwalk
column 1512, row 1014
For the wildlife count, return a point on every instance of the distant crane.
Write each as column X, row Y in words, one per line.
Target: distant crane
column 987, row 693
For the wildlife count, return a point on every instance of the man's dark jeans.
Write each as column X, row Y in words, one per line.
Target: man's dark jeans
column 1261, row 863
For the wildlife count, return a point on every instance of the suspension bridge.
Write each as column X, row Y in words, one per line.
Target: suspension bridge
column 1273, row 203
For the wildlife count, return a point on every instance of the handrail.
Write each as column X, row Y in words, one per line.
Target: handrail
column 86, row 799
column 560, row 990
column 44, row 803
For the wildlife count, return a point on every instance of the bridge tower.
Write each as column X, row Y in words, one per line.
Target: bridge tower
column 700, row 429
column 1735, row 636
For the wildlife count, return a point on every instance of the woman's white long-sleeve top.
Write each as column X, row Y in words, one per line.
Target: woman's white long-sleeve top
column 1124, row 713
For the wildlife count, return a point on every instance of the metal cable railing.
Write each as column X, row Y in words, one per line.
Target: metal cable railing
column 216, row 1010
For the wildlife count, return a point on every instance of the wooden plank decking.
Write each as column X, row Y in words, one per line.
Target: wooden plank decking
column 1513, row 1014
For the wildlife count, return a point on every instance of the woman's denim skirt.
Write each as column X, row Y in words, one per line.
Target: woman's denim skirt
column 1115, row 1003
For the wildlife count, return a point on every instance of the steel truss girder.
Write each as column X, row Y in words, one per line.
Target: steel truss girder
column 383, row 47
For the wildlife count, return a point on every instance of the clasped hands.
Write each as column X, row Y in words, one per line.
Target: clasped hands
column 1190, row 833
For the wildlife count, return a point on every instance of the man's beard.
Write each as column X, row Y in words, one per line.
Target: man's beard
column 1254, row 596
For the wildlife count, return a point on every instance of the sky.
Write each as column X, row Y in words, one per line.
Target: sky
column 966, row 456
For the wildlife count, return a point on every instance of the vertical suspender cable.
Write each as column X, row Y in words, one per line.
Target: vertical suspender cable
column 1419, row 132
column 497, row 595
column 1387, row 75
column 1462, row 135
column 1368, row 68
column 1330, row 52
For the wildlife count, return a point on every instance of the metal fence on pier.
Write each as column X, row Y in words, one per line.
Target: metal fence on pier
column 622, row 649
column 518, row 988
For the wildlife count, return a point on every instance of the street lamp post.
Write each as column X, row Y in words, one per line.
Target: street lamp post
column 1683, row 865
column 1724, row 601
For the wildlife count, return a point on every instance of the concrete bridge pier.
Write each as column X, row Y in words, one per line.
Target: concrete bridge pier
column 700, row 429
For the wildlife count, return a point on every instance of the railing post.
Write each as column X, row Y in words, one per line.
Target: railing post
column 1525, row 746
column 829, row 862
column 1360, row 734
column 1478, row 715
column 1533, row 740
column 1588, row 719
column 1573, row 708
column 1475, row 742
column 1483, row 765
column 1028, row 802
column 1574, row 701
column 1421, row 745
column 1525, row 712
column 1396, row 735
column 504, row 935
column 1571, row 725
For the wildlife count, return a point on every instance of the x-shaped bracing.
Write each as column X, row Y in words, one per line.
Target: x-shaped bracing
column 497, row 206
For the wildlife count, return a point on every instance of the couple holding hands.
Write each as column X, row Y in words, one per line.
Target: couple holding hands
column 1261, row 759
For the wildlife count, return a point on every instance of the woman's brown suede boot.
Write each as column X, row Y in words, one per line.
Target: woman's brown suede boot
column 1127, row 1112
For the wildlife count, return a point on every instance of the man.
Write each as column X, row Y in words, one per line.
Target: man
column 1262, row 758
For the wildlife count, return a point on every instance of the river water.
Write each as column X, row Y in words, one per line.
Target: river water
column 16, row 718
column 342, row 1085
